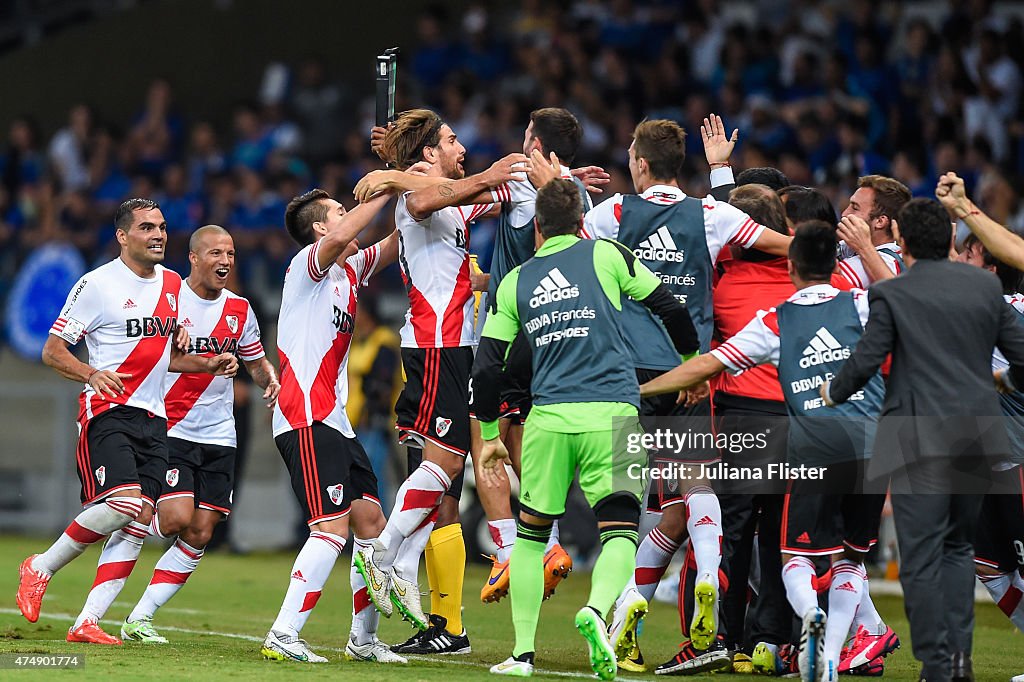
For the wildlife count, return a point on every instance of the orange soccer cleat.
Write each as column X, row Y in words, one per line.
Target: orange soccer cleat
column 496, row 586
column 31, row 588
column 91, row 633
column 557, row 567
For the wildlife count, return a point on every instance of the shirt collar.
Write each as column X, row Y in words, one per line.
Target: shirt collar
column 674, row 192
column 814, row 292
column 556, row 243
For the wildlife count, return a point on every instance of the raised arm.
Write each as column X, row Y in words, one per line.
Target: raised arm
column 717, row 150
column 868, row 356
column 332, row 245
column 1000, row 242
column 423, row 202
column 857, row 235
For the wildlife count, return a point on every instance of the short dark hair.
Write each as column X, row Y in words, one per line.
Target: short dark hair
column 124, row 215
column 762, row 175
column 559, row 132
column 813, row 251
column 763, row 205
column 1009, row 276
column 302, row 212
column 806, row 203
column 662, row 143
column 558, row 208
column 926, row 229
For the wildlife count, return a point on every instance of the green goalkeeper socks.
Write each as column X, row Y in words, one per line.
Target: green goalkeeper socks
column 613, row 569
column 526, row 578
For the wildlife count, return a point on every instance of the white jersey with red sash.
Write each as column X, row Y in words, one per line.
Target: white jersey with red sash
column 200, row 406
column 128, row 323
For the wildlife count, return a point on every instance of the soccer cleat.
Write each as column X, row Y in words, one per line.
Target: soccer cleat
column 867, row 647
column 91, row 633
column 513, row 668
column 405, row 596
column 875, row 668
column 375, row 651
column 766, row 659
column 31, row 588
column 812, row 645
column 436, row 640
column 593, row 628
column 633, row 662
column 141, row 630
column 704, row 626
column 497, row 583
column 281, row 647
column 625, row 623
column 691, row 661
column 378, row 581
column 742, row 664
column 557, row 567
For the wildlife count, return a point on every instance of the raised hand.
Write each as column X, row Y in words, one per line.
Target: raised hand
column 507, row 169
column 856, row 233
column 592, row 177
column 377, row 140
column 952, row 194
column 544, row 170
column 372, row 184
column 717, row 147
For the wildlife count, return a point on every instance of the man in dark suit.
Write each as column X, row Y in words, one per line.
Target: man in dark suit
column 939, row 430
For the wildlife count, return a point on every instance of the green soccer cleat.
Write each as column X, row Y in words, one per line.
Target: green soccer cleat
column 377, row 581
column 625, row 624
column 405, row 596
column 593, row 628
column 141, row 630
column 704, row 626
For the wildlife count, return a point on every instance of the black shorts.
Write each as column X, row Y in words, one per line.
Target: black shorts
column 122, row 449
column 328, row 471
column 999, row 540
column 434, row 405
column 516, row 399
column 663, row 492
column 414, row 457
column 818, row 520
column 203, row 472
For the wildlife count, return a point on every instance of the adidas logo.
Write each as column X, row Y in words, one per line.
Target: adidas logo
column 186, row 322
column 804, row 539
column 554, row 287
column 823, row 348
column 297, row 575
column 706, row 521
column 847, row 587
column 660, row 247
column 129, row 304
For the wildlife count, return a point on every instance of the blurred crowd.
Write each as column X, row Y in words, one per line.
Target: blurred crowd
column 824, row 91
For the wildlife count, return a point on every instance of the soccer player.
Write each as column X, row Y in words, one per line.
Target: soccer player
column 567, row 299
column 807, row 338
column 556, row 132
column 678, row 237
column 127, row 310
column 198, row 484
column 330, row 472
column 999, row 542
column 871, row 252
column 437, row 354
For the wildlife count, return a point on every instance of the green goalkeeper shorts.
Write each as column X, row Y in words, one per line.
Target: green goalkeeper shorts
column 551, row 460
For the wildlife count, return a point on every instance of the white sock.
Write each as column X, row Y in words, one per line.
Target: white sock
column 407, row 563
column 867, row 615
column 1007, row 591
column 416, row 499
column 365, row 618
column 552, row 540
column 309, row 573
column 91, row 525
column 171, row 571
column 798, row 577
column 844, row 596
column 116, row 563
column 503, row 532
column 652, row 558
column 704, row 524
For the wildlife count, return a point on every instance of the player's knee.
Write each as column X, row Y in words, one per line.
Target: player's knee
column 447, row 512
column 197, row 536
column 535, row 528
column 673, row 522
column 618, row 517
column 125, row 506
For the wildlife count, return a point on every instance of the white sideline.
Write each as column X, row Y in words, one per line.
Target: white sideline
column 250, row 638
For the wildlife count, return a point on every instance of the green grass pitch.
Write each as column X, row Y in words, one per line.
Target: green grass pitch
column 216, row 624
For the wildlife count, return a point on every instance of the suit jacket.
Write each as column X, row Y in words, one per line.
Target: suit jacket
column 940, row 320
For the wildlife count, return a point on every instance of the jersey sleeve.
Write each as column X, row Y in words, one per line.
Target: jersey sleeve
column 853, row 272
column 724, row 224
column 755, row 344
column 620, row 271
column 602, row 221
column 504, row 324
column 82, row 312
column 250, row 347
column 474, row 211
column 860, row 300
column 316, row 275
column 364, row 263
